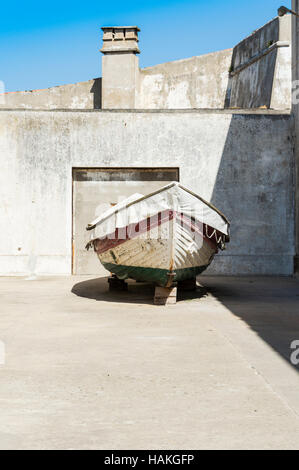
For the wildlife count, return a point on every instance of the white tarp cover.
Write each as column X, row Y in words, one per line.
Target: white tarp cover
column 171, row 197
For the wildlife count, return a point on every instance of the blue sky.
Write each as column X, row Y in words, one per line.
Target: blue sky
column 44, row 44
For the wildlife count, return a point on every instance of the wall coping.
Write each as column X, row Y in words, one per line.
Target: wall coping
column 257, row 111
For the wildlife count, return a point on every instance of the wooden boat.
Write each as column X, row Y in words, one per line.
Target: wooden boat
column 169, row 235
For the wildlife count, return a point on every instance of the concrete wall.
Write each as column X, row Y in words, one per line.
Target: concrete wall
column 261, row 68
column 243, row 163
column 256, row 73
column 198, row 82
column 83, row 95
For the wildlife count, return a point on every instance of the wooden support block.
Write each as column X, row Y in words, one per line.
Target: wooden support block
column 165, row 295
column 187, row 285
column 117, row 284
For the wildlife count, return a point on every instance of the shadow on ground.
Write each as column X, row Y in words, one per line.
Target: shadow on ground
column 138, row 292
column 269, row 306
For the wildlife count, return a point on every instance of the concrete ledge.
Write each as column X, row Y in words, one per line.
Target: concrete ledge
column 255, row 111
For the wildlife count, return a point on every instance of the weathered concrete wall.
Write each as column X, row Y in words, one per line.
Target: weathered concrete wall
column 198, row 82
column 243, row 163
column 83, row 95
column 261, row 68
column 256, row 73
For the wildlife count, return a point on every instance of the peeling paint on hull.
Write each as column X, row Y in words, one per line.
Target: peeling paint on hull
column 153, row 252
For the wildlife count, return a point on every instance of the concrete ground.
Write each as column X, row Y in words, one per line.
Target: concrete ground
column 86, row 369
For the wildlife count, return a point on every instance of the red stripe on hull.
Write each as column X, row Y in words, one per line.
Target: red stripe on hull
column 121, row 235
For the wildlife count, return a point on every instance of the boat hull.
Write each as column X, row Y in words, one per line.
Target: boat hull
column 155, row 275
column 149, row 251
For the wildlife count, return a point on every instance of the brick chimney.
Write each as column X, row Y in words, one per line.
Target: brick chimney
column 120, row 67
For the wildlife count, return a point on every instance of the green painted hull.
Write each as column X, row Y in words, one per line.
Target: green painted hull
column 158, row 276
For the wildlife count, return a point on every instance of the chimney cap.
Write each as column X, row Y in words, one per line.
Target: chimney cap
column 104, row 28
column 120, row 39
